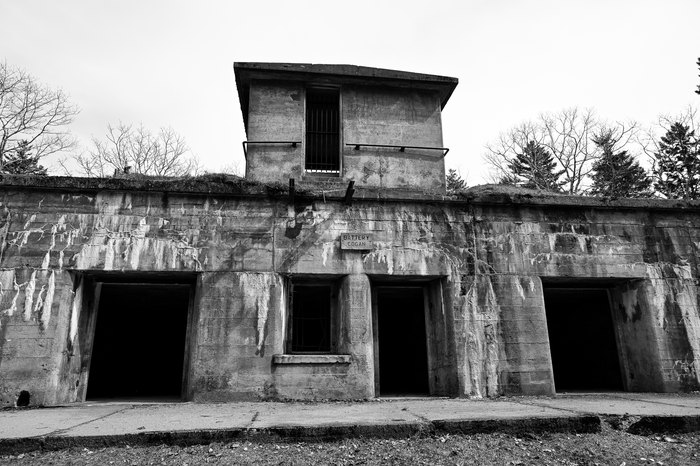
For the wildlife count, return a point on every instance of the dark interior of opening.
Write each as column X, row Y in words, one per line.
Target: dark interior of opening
column 311, row 319
column 403, row 357
column 582, row 340
column 139, row 341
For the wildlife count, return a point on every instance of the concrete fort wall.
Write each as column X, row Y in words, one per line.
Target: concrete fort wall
column 369, row 115
column 484, row 261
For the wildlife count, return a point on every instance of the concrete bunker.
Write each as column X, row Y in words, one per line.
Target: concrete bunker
column 138, row 340
column 582, row 338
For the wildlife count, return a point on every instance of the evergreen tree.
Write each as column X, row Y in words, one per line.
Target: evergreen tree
column 697, row 91
column 677, row 167
column 454, row 183
column 617, row 174
column 535, row 168
column 20, row 161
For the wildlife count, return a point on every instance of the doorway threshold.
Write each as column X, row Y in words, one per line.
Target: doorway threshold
column 135, row 401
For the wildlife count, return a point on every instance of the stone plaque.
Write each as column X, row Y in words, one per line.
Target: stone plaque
column 356, row 241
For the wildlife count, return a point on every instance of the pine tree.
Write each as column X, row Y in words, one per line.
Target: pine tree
column 454, row 183
column 20, row 161
column 617, row 174
column 535, row 168
column 677, row 167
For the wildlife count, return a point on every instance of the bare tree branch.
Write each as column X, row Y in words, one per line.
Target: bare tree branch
column 33, row 114
column 568, row 135
column 137, row 150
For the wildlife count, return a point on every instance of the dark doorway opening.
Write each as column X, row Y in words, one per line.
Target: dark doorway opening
column 139, row 341
column 582, row 340
column 401, row 338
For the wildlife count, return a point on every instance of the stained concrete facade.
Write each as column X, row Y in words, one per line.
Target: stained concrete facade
column 483, row 262
column 232, row 252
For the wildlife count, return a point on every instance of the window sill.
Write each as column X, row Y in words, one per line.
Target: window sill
column 311, row 359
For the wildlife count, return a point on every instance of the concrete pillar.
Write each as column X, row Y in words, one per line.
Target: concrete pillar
column 355, row 329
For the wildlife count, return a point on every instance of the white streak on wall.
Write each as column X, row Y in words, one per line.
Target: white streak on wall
column 39, row 300
column 630, row 302
column 582, row 242
column 115, row 242
column 328, row 248
column 531, row 285
column 481, row 339
column 46, row 261
column 519, row 287
column 13, row 306
column 30, row 221
column 48, row 302
column 109, row 254
column 383, row 253
column 75, row 312
column 29, row 297
column 138, row 238
column 258, row 288
column 7, row 281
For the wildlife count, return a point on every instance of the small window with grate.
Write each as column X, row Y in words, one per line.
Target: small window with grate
column 323, row 131
column 311, row 318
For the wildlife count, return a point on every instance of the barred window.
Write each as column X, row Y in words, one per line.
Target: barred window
column 323, row 131
column 311, row 318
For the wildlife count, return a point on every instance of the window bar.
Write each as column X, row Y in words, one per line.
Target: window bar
column 401, row 148
column 246, row 143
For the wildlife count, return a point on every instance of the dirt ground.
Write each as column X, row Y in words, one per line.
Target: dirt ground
column 609, row 447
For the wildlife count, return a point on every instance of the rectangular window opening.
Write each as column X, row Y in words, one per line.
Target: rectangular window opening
column 323, row 131
column 311, row 318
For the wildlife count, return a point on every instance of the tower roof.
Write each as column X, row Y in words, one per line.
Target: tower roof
column 337, row 74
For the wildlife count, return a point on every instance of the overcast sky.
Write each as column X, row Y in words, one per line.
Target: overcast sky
column 170, row 63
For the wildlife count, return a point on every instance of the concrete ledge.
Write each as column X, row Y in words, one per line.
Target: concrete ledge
column 573, row 424
column 311, row 359
column 231, row 185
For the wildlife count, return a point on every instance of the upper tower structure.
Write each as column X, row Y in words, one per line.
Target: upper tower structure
column 376, row 127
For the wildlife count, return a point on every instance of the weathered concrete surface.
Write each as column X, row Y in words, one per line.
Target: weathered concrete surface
column 484, row 258
column 100, row 424
column 369, row 114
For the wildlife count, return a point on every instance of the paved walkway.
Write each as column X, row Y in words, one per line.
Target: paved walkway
column 127, row 422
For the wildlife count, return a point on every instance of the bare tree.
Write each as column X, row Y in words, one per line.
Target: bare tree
column 510, row 143
column 129, row 149
column 32, row 114
column 567, row 134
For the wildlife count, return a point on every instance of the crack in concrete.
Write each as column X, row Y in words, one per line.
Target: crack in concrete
column 59, row 432
column 252, row 420
column 541, row 405
column 598, row 412
column 420, row 417
column 638, row 400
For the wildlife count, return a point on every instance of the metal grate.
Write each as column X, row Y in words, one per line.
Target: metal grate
column 322, row 131
column 311, row 319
